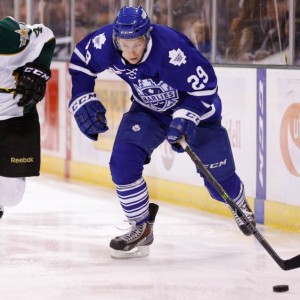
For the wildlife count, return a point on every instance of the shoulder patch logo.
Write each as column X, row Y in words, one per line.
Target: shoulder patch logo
column 177, row 57
column 23, row 32
column 99, row 41
column 136, row 128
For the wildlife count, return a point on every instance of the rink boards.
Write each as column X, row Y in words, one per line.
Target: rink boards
column 261, row 111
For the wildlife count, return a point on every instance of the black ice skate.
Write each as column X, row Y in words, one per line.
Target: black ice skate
column 1, row 211
column 136, row 242
column 244, row 206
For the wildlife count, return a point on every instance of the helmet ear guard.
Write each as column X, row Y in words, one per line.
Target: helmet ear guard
column 131, row 23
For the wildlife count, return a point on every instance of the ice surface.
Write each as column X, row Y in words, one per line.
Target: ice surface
column 54, row 245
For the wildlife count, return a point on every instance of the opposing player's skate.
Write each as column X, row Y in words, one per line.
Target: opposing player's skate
column 1, row 211
column 244, row 206
column 136, row 242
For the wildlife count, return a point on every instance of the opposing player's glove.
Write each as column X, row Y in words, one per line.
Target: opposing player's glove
column 184, row 123
column 31, row 84
column 89, row 114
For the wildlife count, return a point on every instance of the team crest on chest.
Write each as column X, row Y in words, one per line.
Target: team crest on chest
column 156, row 96
column 24, row 34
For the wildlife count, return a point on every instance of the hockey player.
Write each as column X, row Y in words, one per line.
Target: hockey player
column 25, row 54
column 174, row 94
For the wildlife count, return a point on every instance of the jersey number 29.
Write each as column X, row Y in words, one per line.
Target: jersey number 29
column 198, row 81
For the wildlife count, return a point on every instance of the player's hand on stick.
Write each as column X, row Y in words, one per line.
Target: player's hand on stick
column 89, row 114
column 31, row 84
column 184, row 124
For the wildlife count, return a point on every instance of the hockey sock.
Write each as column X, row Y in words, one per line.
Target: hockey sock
column 134, row 199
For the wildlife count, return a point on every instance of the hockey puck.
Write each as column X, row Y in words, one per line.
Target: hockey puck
column 280, row 288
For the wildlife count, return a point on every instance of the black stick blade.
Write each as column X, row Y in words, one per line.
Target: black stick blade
column 292, row 263
column 286, row 265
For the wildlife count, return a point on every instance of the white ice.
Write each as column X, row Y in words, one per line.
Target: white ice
column 54, row 245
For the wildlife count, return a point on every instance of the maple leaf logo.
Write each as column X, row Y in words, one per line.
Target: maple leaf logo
column 99, row 41
column 177, row 57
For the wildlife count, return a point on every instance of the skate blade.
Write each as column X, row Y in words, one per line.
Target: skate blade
column 140, row 251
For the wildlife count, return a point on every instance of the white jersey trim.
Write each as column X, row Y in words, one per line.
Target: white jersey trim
column 83, row 70
column 79, row 54
column 209, row 113
column 203, row 93
column 189, row 115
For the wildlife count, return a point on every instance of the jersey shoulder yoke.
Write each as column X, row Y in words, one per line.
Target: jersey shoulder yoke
column 14, row 36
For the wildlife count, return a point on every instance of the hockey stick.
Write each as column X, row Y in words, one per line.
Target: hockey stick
column 7, row 91
column 288, row 264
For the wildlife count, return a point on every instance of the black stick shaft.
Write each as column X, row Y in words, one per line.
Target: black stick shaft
column 289, row 264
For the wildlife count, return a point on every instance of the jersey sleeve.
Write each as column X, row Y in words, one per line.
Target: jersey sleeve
column 46, row 54
column 82, row 75
column 42, row 44
column 89, row 59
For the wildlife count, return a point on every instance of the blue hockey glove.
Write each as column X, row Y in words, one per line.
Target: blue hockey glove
column 184, row 123
column 89, row 114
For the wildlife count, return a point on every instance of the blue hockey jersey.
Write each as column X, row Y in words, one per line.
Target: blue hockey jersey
column 172, row 74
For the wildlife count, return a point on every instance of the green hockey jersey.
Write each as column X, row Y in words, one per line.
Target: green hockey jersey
column 20, row 43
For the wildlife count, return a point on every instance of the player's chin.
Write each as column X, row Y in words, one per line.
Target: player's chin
column 134, row 61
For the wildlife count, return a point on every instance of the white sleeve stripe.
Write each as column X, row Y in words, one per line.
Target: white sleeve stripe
column 83, row 70
column 79, row 54
column 209, row 113
column 203, row 93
